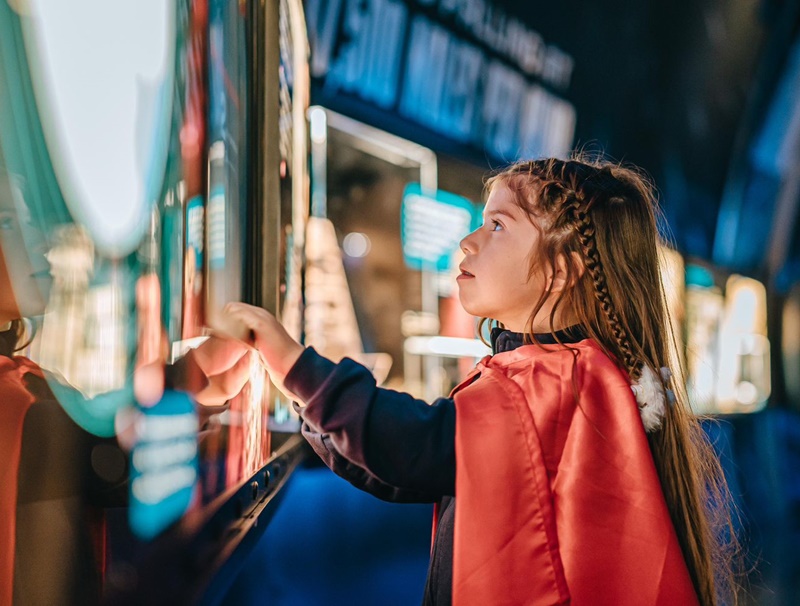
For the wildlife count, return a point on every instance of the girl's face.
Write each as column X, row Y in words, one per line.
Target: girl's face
column 494, row 280
column 24, row 270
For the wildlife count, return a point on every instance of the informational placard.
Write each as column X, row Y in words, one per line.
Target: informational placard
column 433, row 223
column 164, row 464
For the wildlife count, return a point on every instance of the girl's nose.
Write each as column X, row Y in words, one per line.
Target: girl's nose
column 467, row 243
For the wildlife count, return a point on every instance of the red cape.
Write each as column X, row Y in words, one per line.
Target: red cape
column 14, row 404
column 559, row 501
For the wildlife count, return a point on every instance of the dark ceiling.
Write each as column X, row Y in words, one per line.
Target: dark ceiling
column 680, row 88
column 664, row 85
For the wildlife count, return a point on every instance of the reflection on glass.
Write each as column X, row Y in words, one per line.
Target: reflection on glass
column 246, row 419
column 228, row 157
column 727, row 348
column 164, row 464
column 292, row 146
column 151, row 345
column 108, row 153
column 85, row 342
column 744, row 366
column 126, row 253
column 357, row 285
column 87, row 315
column 704, row 306
column 673, row 279
column 23, row 248
column 192, row 149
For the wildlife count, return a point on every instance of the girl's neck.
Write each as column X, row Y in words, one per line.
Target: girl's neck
column 560, row 323
column 503, row 339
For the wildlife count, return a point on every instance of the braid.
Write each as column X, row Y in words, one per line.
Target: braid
column 594, row 265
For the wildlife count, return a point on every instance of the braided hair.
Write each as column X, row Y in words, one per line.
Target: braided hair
column 585, row 230
column 602, row 217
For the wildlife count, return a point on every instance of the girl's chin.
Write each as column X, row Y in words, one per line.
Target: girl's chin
column 470, row 309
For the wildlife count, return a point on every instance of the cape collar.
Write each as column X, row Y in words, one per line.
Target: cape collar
column 504, row 340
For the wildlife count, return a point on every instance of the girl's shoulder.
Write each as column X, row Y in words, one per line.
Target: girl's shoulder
column 584, row 362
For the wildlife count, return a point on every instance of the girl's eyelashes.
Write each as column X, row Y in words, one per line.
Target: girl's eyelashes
column 493, row 225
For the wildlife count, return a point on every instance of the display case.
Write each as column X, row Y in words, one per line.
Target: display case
column 148, row 160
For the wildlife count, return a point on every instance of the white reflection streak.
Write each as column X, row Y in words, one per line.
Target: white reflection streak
column 98, row 70
column 253, row 427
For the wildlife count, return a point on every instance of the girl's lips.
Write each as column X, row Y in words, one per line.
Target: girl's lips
column 464, row 275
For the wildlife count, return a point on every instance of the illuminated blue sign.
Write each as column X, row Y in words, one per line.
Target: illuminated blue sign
column 463, row 69
column 164, row 464
column 433, row 224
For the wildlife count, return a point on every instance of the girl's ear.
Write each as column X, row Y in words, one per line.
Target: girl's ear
column 568, row 270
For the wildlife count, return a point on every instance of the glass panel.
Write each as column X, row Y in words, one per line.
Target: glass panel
column 364, row 194
column 115, row 299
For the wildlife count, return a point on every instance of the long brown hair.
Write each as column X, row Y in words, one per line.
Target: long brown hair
column 604, row 215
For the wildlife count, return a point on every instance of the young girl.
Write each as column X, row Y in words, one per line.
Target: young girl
column 564, row 467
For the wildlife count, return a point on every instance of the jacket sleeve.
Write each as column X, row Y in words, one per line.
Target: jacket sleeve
column 357, row 476
column 396, row 439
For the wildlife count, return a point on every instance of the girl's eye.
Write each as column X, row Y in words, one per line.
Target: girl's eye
column 496, row 226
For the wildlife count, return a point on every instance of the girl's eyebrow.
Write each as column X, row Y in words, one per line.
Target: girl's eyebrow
column 498, row 211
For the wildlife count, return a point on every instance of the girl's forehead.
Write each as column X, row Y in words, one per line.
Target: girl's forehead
column 499, row 194
column 502, row 198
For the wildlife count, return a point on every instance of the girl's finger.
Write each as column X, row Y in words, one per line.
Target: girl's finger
column 216, row 355
column 250, row 316
column 245, row 309
column 256, row 319
column 226, row 385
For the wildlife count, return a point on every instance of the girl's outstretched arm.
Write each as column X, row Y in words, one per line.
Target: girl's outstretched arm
column 401, row 441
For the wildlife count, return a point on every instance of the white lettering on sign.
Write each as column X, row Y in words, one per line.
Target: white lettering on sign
column 460, row 104
column 560, row 123
column 511, row 38
column 442, row 94
column 155, row 487
column 194, row 227
column 424, row 81
column 433, row 228
column 323, row 27
column 216, row 229
column 532, row 51
column 155, row 455
column 369, row 62
column 448, row 84
column 502, row 100
column 165, row 427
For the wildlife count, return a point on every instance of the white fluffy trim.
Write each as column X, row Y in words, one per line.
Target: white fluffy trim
column 651, row 397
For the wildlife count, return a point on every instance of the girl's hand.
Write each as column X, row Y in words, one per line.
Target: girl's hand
column 225, row 363
column 279, row 351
